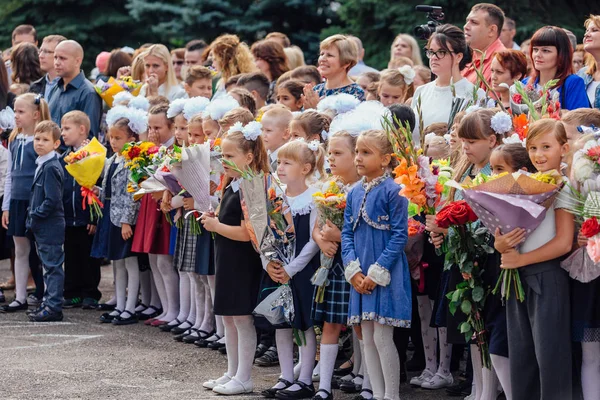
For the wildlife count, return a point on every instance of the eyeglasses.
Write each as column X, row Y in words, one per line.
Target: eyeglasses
column 44, row 51
column 178, row 62
column 440, row 54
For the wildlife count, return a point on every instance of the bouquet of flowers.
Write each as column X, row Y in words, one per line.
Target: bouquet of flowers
column 467, row 247
column 510, row 201
column 108, row 90
column 140, row 160
column 193, row 172
column 526, row 99
column 330, row 207
column 414, row 250
column 86, row 165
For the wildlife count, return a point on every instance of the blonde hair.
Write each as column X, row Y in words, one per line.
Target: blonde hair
column 381, row 143
column 299, row 151
column 346, row 47
column 592, row 66
column 36, row 101
column 233, row 56
column 423, row 72
column 545, row 125
column 78, row 118
column 395, row 78
column 295, row 56
column 260, row 160
column 137, row 67
column 238, row 114
column 345, row 135
column 582, row 116
column 160, row 51
column 416, row 51
column 48, row 127
column 196, row 73
column 400, row 62
column 279, row 112
column 245, row 99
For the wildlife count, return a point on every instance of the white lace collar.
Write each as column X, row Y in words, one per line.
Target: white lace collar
column 303, row 203
column 24, row 137
column 375, row 182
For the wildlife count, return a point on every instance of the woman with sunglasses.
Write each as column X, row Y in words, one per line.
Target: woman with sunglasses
column 448, row 54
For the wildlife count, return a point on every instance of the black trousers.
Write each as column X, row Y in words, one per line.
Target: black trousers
column 82, row 272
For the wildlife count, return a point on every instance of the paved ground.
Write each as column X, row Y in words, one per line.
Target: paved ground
column 81, row 358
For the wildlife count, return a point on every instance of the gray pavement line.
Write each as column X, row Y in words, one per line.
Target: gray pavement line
column 28, row 323
column 34, row 325
column 78, row 338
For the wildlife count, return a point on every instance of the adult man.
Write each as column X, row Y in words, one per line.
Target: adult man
column 509, row 30
column 45, row 84
column 482, row 32
column 73, row 91
column 360, row 67
column 24, row 33
column 193, row 52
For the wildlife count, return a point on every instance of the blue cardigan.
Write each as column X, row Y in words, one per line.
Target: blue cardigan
column 572, row 93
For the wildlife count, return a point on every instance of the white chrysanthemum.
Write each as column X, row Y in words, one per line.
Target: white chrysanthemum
column 122, row 97
column 368, row 115
column 408, row 73
column 176, row 107
column 514, row 138
column 139, row 102
column 220, row 106
column 447, row 137
column 338, row 103
column 313, row 145
column 236, row 127
column 195, row 106
column 501, row 123
column 7, row 119
column 325, row 135
column 252, row 131
column 137, row 119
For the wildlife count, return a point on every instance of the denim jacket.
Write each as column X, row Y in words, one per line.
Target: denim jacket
column 587, row 79
column 123, row 209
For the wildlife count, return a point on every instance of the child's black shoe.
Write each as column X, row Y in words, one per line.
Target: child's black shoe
column 46, row 315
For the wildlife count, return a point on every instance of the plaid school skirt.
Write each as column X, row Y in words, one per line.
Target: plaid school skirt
column 334, row 308
column 184, row 258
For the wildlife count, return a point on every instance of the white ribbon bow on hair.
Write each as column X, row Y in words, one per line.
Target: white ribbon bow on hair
column 409, row 74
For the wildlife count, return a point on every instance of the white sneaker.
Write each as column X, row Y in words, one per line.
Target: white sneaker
column 438, row 381
column 235, row 386
column 418, row 380
column 216, row 382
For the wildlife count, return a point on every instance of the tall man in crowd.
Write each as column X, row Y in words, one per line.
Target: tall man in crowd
column 46, row 83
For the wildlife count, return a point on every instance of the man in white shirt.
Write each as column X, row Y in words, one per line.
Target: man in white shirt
column 507, row 36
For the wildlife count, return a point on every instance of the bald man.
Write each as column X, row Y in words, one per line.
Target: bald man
column 73, row 91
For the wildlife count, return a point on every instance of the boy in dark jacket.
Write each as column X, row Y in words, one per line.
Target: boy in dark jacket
column 46, row 219
column 82, row 272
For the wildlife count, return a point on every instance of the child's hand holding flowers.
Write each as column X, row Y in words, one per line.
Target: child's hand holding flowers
column 511, row 259
column 503, row 243
column 331, row 232
column 188, row 203
column 209, row 222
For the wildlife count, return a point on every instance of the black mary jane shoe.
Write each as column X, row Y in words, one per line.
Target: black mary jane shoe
column 305, row 392
column 203, row 343
column 350, row 386
column 168, row 327
column 317, row 397
column 120, row 320
column 361, row 397
column 106, row 318
column 10, row 309
column 271, row 392
column 105, row 307
column 144, row 317
column 188, row 332
column 178, row 330
column 344, row 371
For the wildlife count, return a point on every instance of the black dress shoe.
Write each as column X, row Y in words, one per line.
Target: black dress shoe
column 361, row 397
column 459, row 390
column 2, row 297
column 10, row 309
column 178, row 330
column 344, row 371
column 305, row 392
column 215, row 345
column 106, row 307
column 317, row 397
column 260, row 350
column 168, row 327
column 350, row 386
column 223, row 350
column 179, row 338
column 271, row 392
column 106, row 318
column 144, row 317
column 131, row 318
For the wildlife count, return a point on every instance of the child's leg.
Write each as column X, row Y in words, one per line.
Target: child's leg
column 590, row 370
column 171, row 281
column 429, row 334
column 246, row 346
column 145, row 290
column 372, row 359
column 198, row 297
column 307, row 353
column 477, row 372
column 366, row 391
column 445, row 352
column 285, row 348
column 185, row 287
column 329, row 351
column 208, row 322
column 120, row 286
column 192, row 302
column 231, row 341
column 133, row 283
column 37, row 271
column 73, row 276
column 54, row 277
column 22, row 248
column 220, row 330
column 490, row 384
column 390, row 361
column 502, row 368
column 159, row 285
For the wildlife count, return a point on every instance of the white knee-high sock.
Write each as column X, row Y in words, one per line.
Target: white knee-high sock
column 145, row 290
column 285, row 349
column 372, row 359
column 246, row 346
column 159, row 285
column 590, row 370
column 445, row 352
column 192, row 315
column 231, row 341
column 133, row 283
column 218, row 318
column 120, row 285
column 22, row 249
column 185, row 287
column 327, row 361
column 428, row 334
column 208, row 323
column 477, row 371
column 366, row 383
column 308, row 352
column 502, row 368
column 198, row 297
column 489, row 390
column 358, row 356
column 171, row 280
column 390, row 361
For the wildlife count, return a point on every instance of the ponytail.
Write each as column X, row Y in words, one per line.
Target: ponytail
column 39, row 104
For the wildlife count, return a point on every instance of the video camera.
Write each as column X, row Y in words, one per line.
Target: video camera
column 435, row 15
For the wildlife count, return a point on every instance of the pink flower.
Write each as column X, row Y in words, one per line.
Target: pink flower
column 517, row 98
column 593, row 248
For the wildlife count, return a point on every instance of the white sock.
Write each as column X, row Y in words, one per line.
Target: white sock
column 489, row 389
column 477, row 371
column 192, row 315
column 133, row 283
column 159, row 285
column 246, row 346
column 590, row 370
column 185, row 290
column 445, row 352
column 428, row 334
column 357, row 354
column 171, row 281
column 208, row 323
column 120, row 284
column 22, row 249
column 390, row 361
column 145, row 290
column 218, row 321
column 285, row 351
column 372, row 359
column 307, row 353
column 327, row 362
column 502, row 368
column 366, row 383
column 198, row 291
column 231, row 342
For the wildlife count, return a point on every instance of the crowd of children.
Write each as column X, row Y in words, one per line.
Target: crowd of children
column 306, row 128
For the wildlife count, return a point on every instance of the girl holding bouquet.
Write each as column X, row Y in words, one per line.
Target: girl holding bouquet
column 238, row 266
column 298, row 162
column 374, row 235
column 539, row 336
column 152, row 233
column 115, row 229
column 332, row 312
column 30, row 109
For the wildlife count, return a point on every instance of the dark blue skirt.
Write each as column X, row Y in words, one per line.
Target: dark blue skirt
column 17, row 217
column 108, row 241
column 205, row 254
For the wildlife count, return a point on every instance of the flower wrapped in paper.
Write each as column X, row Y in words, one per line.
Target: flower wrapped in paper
column 193, row 173
column 537, row 103
column 108, row 90
column 414, row 250
column 86, row 166
column 140, row 161
column 277, row 307
column 330, row 204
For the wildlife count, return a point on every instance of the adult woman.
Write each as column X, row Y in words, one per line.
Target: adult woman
column 338, row 55
column 405, row 45
column 552, row 57
column 25, row 63
column 508, row 66
column 448, row 54
column 590, row 73
column 271, row 60
column 117, row 60
column 230, row 57
column 160, row 74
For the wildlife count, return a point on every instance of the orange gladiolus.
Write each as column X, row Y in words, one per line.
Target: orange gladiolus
column 521, row 125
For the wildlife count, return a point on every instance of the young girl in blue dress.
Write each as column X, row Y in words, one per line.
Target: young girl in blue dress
column 373, row 239
column 29, row 110
column 298, row 162
column 115, row 229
